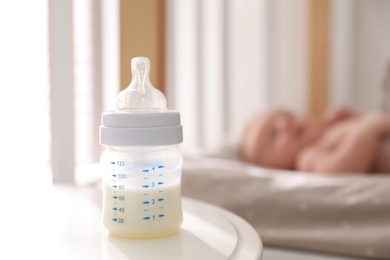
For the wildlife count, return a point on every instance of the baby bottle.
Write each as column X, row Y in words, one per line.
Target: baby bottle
column 141, row 162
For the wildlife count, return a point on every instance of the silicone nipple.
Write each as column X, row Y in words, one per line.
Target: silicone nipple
column 140, row 95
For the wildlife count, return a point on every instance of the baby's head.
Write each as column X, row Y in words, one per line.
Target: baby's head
column 274, row 138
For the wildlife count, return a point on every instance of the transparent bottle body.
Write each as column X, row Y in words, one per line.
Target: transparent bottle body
column 142, row 190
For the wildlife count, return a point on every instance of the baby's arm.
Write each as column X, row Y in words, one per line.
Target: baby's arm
column 336, row 114
column 348, row 147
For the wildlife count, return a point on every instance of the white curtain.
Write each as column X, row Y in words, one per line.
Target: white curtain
column 83, row 59
column 360, row 52
column 227, row 60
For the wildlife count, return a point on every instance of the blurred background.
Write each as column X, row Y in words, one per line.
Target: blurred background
column 218, row 62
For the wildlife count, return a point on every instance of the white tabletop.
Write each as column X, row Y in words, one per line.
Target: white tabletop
column 64, row 222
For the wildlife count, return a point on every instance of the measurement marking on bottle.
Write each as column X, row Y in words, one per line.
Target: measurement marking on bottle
column 160, row 199
column 113, row 175
column 161, row 207
column 120, row 163
column 146, row 210
column 115, row 208
column 122, row 176
column 145, row 178
column 160, row 166
column 160, row 191
column 145, row 202
column 154, row 217
column 145, row 194
column 160, row 183
column 119, row 220
column 146, row 170
column 145, row 186
column 115, row 197
column 115, row 186
column 161, row 174
column 112, row 162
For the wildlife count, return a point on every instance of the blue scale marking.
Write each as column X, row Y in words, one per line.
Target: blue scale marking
column 146, row 218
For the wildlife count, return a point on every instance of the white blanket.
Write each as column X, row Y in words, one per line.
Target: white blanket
column 343, row 214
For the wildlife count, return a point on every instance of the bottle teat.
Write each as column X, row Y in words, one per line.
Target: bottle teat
column 140, row 95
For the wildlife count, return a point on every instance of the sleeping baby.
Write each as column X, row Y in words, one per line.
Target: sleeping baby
column 341, row 141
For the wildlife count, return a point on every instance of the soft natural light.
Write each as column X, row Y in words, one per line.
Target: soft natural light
column 25, row 92
column 24, row 88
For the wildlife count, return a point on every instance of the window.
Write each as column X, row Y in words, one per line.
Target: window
column 25, row 104
column 24, row 89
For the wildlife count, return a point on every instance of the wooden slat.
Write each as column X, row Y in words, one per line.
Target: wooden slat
column 319, row 55
column 142, row 33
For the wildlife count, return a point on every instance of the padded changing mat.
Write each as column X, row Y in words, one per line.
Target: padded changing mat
column 343, row 214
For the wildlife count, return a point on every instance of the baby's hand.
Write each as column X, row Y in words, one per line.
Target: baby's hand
column 377, row 123
column 349, row 146
column 335, row 114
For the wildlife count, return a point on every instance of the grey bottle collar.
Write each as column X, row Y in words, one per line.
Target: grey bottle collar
column 141, row 128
